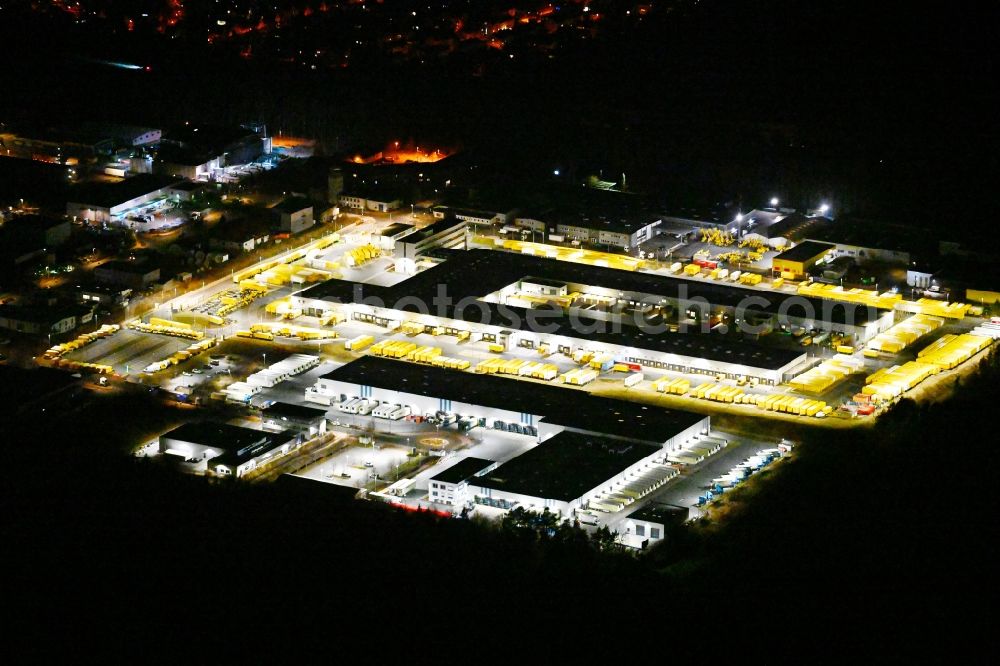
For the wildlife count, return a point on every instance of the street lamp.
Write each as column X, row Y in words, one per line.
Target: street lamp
column 774, row 202
column 824, row 209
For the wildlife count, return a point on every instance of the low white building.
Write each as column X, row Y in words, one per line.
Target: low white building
column 451, row 486
column 481, row 217
column 647, row 525
column 374, row 202
column 294, row 214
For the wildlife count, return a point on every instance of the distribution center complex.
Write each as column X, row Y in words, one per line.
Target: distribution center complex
column 528, row 301
column 588, row 444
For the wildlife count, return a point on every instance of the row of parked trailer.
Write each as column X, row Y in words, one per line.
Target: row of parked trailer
column 518, row 368
column 828, row 373
column 678, row 386
column 166, row 327
column 946, row 353
column 775, row 402
column 411, row 352
column 83, row 340
column 904, row 334
column 580, row 376
column 183, row 355
column 739, row 474
column 266, row 331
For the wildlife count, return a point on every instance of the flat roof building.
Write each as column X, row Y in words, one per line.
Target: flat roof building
column 104, row 202
column 294, row 214
column 450, row 485
column 446, row 233
column 589, row 445
column 797, row 261
column 551, row 408
column 229, row 450
column 614, row 311
column 649, row 523
column 132, row 274
column 290, row 416
column 43, row 319
column 564, row 472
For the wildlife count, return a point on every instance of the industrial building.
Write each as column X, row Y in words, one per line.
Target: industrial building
column 42, row 319
column 392, row 233
column 546, row 408
column 36, row 229
column 588, row 444
column 625, row 231
column 597, row 309
column 796, row 262
column 287, row 416
column 447, row 233
column 103, row 295
column 104, row 202
column 563, row 472
column 132, row 274
column 197, row 152
column 867, row 241
column 229, row 450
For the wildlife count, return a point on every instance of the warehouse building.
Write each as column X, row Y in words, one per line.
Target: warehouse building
column 103, row 295
column 588, row 445
column 105, row 202
column 447, row 233
column 867, row 241
column 197, row 152
column 796, row 262
column 310, row 421
column 545, row 408
column 563, row 472
column 42, row 319
column 229, row 450
column 597, row 309
column 613, row 230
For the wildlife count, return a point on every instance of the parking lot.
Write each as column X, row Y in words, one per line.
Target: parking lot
column 128, row 351
column 356, row 465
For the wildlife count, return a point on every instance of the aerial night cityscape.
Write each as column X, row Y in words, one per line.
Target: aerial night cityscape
column 516, row 330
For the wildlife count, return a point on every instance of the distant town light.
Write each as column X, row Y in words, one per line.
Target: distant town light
column 555, row 172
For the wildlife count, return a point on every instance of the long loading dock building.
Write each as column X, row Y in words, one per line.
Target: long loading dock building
column 527, row 301
column 588, row 445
